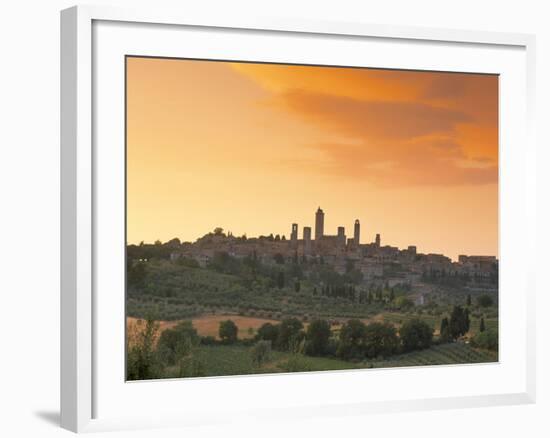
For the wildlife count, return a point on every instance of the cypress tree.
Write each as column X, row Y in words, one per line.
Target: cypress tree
column 482, row 325
column 460, row 322
column 444, row 333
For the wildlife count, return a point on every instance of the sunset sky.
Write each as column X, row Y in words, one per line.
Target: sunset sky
column 253, row 148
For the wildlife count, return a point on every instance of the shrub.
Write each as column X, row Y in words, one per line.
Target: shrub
column 296, row 363
column 487, row 339
column 261, row 352
column 403, row 303
column 208, row 340
column 191, row 367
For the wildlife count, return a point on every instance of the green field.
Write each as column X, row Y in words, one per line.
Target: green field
column 234, row 360
column 445, row 354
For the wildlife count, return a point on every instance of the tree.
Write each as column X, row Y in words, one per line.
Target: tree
column 268, row 332
column 482, row 325
column 466, row 321
column 469, row 300
column 261, row 352
column 444, row 331
column 459, row 323
column 290, row 334
column 142, row 362
column 228, row 332
column 380, row 340
column 297, row 286
column 177, row 342
column 317, row 337
column 352, row 339
column 415, row 334
column 218, row 231
column 173, row 243
column 484, row 300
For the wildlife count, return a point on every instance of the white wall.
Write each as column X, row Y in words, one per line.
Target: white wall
column 29, row 185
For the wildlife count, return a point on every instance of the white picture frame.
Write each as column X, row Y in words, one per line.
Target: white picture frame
column 90, row 37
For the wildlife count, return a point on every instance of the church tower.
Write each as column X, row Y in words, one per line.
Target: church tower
column 319, row 224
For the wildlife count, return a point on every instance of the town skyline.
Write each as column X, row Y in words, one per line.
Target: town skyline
column 254, row 147
column 316, row 231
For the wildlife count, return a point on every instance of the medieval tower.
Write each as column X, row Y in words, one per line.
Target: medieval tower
column 319, row 224
column 356, row 232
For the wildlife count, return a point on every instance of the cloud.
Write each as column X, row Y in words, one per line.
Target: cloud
column 373, row 119
column 390, row 143
column 390, row 127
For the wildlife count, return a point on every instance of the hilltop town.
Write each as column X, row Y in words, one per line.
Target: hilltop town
column 377, row 263
column 236, row 295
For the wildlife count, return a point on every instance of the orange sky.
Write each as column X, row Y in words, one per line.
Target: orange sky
column 253, row 148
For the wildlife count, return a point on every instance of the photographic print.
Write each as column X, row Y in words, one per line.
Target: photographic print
column 292, row 218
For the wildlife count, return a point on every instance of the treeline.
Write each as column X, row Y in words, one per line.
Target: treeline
column 356, row 340
column 285, row 272
column 146, row 251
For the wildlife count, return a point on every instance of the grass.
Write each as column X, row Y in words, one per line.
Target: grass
column 226, row 360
